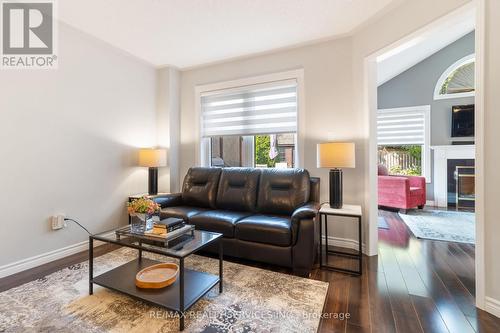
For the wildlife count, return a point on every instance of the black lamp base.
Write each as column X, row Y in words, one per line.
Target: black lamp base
column 336, row 188
column 153, row 181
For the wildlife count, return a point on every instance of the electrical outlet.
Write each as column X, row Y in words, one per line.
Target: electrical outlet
column 57, row 222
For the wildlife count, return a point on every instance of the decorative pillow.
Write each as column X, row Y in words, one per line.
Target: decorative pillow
column 382, row 170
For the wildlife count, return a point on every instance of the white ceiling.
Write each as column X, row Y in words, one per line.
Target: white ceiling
column 410, row 53
column 187, row 33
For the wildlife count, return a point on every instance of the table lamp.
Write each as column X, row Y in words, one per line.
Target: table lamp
column 335, row 156
column 153, row 159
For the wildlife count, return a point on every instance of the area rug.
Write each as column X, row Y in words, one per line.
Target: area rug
column 254, row 300
column 382, row 223
column 441, row 225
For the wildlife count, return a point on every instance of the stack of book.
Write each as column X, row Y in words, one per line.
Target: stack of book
column 167, row 225
column 169, row 229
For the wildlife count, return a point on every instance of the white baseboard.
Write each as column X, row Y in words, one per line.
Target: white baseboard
column 44, row 258
column 492, row 306
column 344, row 242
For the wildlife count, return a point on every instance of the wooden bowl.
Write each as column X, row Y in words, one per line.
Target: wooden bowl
column 157, row 276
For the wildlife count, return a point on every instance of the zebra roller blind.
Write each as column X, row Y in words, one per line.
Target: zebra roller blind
column 400, row 127
column 268, row 108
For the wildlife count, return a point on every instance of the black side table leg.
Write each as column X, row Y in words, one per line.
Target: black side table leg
column 320, row 241
column 91, row 265
column 181, row 296
column 326, row 239
column 221, row 269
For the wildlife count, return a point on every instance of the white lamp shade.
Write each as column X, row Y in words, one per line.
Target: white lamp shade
column 336, row 155
column 152, row 158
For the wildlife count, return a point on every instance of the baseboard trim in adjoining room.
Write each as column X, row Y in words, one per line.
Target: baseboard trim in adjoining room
column 44, row 258
column 492, row 306
column 346, row 243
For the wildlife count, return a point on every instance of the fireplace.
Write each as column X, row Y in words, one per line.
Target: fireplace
column 446, row 159
column 461, row 183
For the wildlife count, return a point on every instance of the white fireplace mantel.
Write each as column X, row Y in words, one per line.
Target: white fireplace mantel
column 441, row 156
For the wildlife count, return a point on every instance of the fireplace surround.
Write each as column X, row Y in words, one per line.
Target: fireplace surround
column 442, row 154
column 461, row 183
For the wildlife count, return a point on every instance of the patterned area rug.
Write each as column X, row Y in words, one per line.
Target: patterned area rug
column 254, row 300
column 382, row 223
column 441, row 225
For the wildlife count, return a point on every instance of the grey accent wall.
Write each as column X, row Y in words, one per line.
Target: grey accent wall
column 416, row 86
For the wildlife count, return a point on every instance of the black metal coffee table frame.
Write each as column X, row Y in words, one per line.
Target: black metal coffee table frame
column 189, row 287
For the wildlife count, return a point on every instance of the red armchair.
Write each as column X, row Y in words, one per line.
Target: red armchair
column 403, row 192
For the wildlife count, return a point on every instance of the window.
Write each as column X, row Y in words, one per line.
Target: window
column 274, row 151
column 403, row 138
column 457, row 80
column 250, row 126
column 261, row 151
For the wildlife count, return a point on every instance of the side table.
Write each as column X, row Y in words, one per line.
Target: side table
column 354, row 211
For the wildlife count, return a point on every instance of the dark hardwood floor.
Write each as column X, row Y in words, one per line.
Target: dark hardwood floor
column 413, row 285
column 20, row 278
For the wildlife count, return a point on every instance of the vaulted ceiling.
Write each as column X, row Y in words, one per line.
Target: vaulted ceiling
column 186, row 33
column 434, row 39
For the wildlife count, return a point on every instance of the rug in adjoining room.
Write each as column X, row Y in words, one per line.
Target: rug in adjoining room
column 441, row 225
column 382, row 223
column 254, row 300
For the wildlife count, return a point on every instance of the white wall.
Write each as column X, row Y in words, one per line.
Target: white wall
column 69, row 139
column 328, row 106
column 168, row 126
column 492, row 151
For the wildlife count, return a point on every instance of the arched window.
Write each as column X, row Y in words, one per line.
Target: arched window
column 457, row 80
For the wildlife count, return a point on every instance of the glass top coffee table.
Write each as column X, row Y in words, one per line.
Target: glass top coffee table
column 190, row 285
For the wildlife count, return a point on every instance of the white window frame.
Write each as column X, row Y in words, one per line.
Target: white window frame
column 465, row 60
column 426, row 151
column 203, row 144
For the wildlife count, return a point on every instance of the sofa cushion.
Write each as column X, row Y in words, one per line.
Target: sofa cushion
column 200, row 187
column 182, row 212
column 268, row 229
column 382, row 170
column 281, row 191
column 238, row 189
column 218, row 221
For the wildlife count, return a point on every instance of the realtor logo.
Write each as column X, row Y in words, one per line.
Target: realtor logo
column 28, row 34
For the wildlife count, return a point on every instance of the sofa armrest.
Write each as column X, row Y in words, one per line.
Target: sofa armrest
column 307, row 211
column 394, row 191
column 304, row 236
column 417, row 181
column 397, row 184
column 169, row 200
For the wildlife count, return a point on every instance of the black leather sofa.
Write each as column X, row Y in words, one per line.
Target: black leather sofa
column 266, row 215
